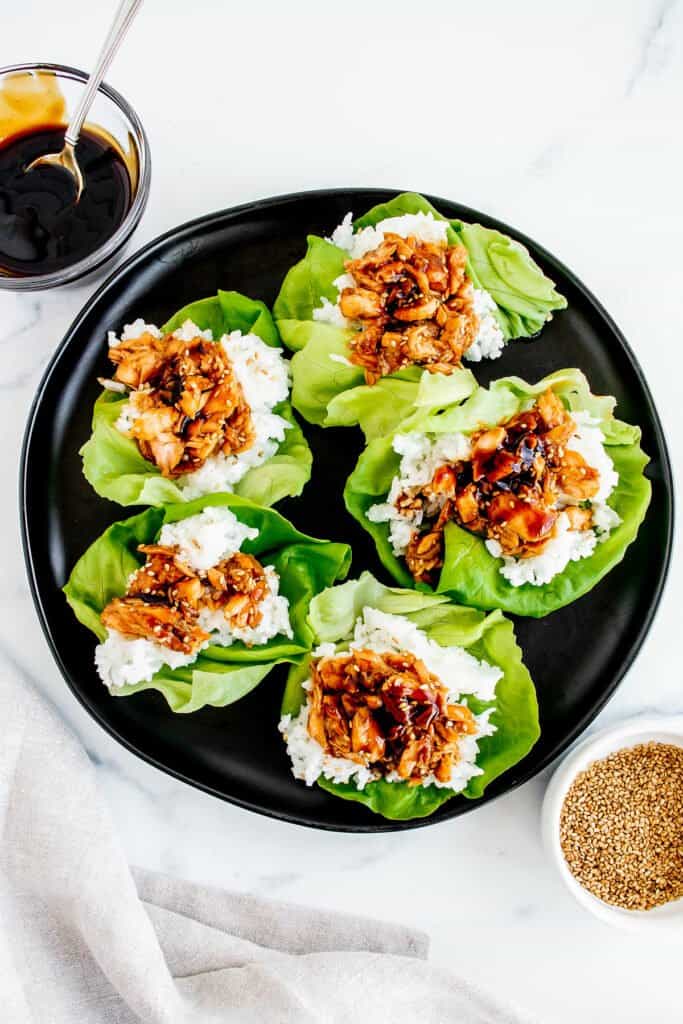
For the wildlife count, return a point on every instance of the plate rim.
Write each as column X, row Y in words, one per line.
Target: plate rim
column 205, row 221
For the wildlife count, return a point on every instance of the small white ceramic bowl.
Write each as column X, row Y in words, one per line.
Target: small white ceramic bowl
column 662, row 729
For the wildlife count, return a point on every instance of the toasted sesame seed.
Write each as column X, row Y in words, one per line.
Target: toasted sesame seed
column 621, row 826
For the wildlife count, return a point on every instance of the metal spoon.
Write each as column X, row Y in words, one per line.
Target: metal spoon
column 67, row 157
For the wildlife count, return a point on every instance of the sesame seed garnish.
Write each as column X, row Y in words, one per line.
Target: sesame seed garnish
column 621, row 826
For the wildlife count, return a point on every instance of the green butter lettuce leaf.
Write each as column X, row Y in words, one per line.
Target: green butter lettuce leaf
column 470, row 574
column 220, row 675
column 330, row 392
column 406, row 202
column 225, row 312
column 204, row 683
column 307, row 282
column 487, row 637
column 112, row 463
column 525, row 297
column 380, row 408
column 369, row 485
column 502, row 266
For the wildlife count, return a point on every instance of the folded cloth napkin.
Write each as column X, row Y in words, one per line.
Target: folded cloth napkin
column 84, row 939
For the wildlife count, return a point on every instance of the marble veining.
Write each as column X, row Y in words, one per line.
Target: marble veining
column 655, row 50
column 563, row 120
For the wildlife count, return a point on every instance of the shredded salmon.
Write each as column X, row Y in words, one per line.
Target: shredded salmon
column 388, row 712
column 415, row 304
column 507, row 490
column 164, row 598
column 188, row 403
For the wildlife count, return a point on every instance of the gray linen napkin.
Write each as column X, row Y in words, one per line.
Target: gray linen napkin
column 84, row 939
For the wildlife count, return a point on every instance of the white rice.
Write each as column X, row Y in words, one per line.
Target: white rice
column 458, row 670
column 189, row 330
column 424, row 226
column 131, row 331
column 605, row 519
column 203, row 541
column 342, row 360
column 121, row 661
column 588, row 440
column 421, row 456
column 222, row 473
column 274, row 622
column 263, row 373
column 208, row 538
column 565, row 547
column 330, row 313
column 489, row 342
column 261, row 369
column 128, row 415
column 420, row 459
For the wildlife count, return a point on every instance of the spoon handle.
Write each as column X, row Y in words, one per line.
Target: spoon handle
column 120, row 25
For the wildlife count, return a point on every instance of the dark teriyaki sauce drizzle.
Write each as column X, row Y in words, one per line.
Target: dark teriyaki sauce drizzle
column 42, row 228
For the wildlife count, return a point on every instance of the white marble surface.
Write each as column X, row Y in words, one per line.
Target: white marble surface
column 565, row 121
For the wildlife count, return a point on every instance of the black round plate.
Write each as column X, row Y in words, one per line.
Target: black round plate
column 576, row 656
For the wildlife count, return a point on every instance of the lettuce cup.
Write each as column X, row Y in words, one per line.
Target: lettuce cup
column 198, row 406
column 407, row 700
column 382, row 313
column 200, row 600
column 521, row 498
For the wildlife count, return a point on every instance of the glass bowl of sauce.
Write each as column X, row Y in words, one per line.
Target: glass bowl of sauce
column 46, row 238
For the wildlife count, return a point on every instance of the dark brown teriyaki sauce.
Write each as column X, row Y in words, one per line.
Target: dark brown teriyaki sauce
column 42, row 228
